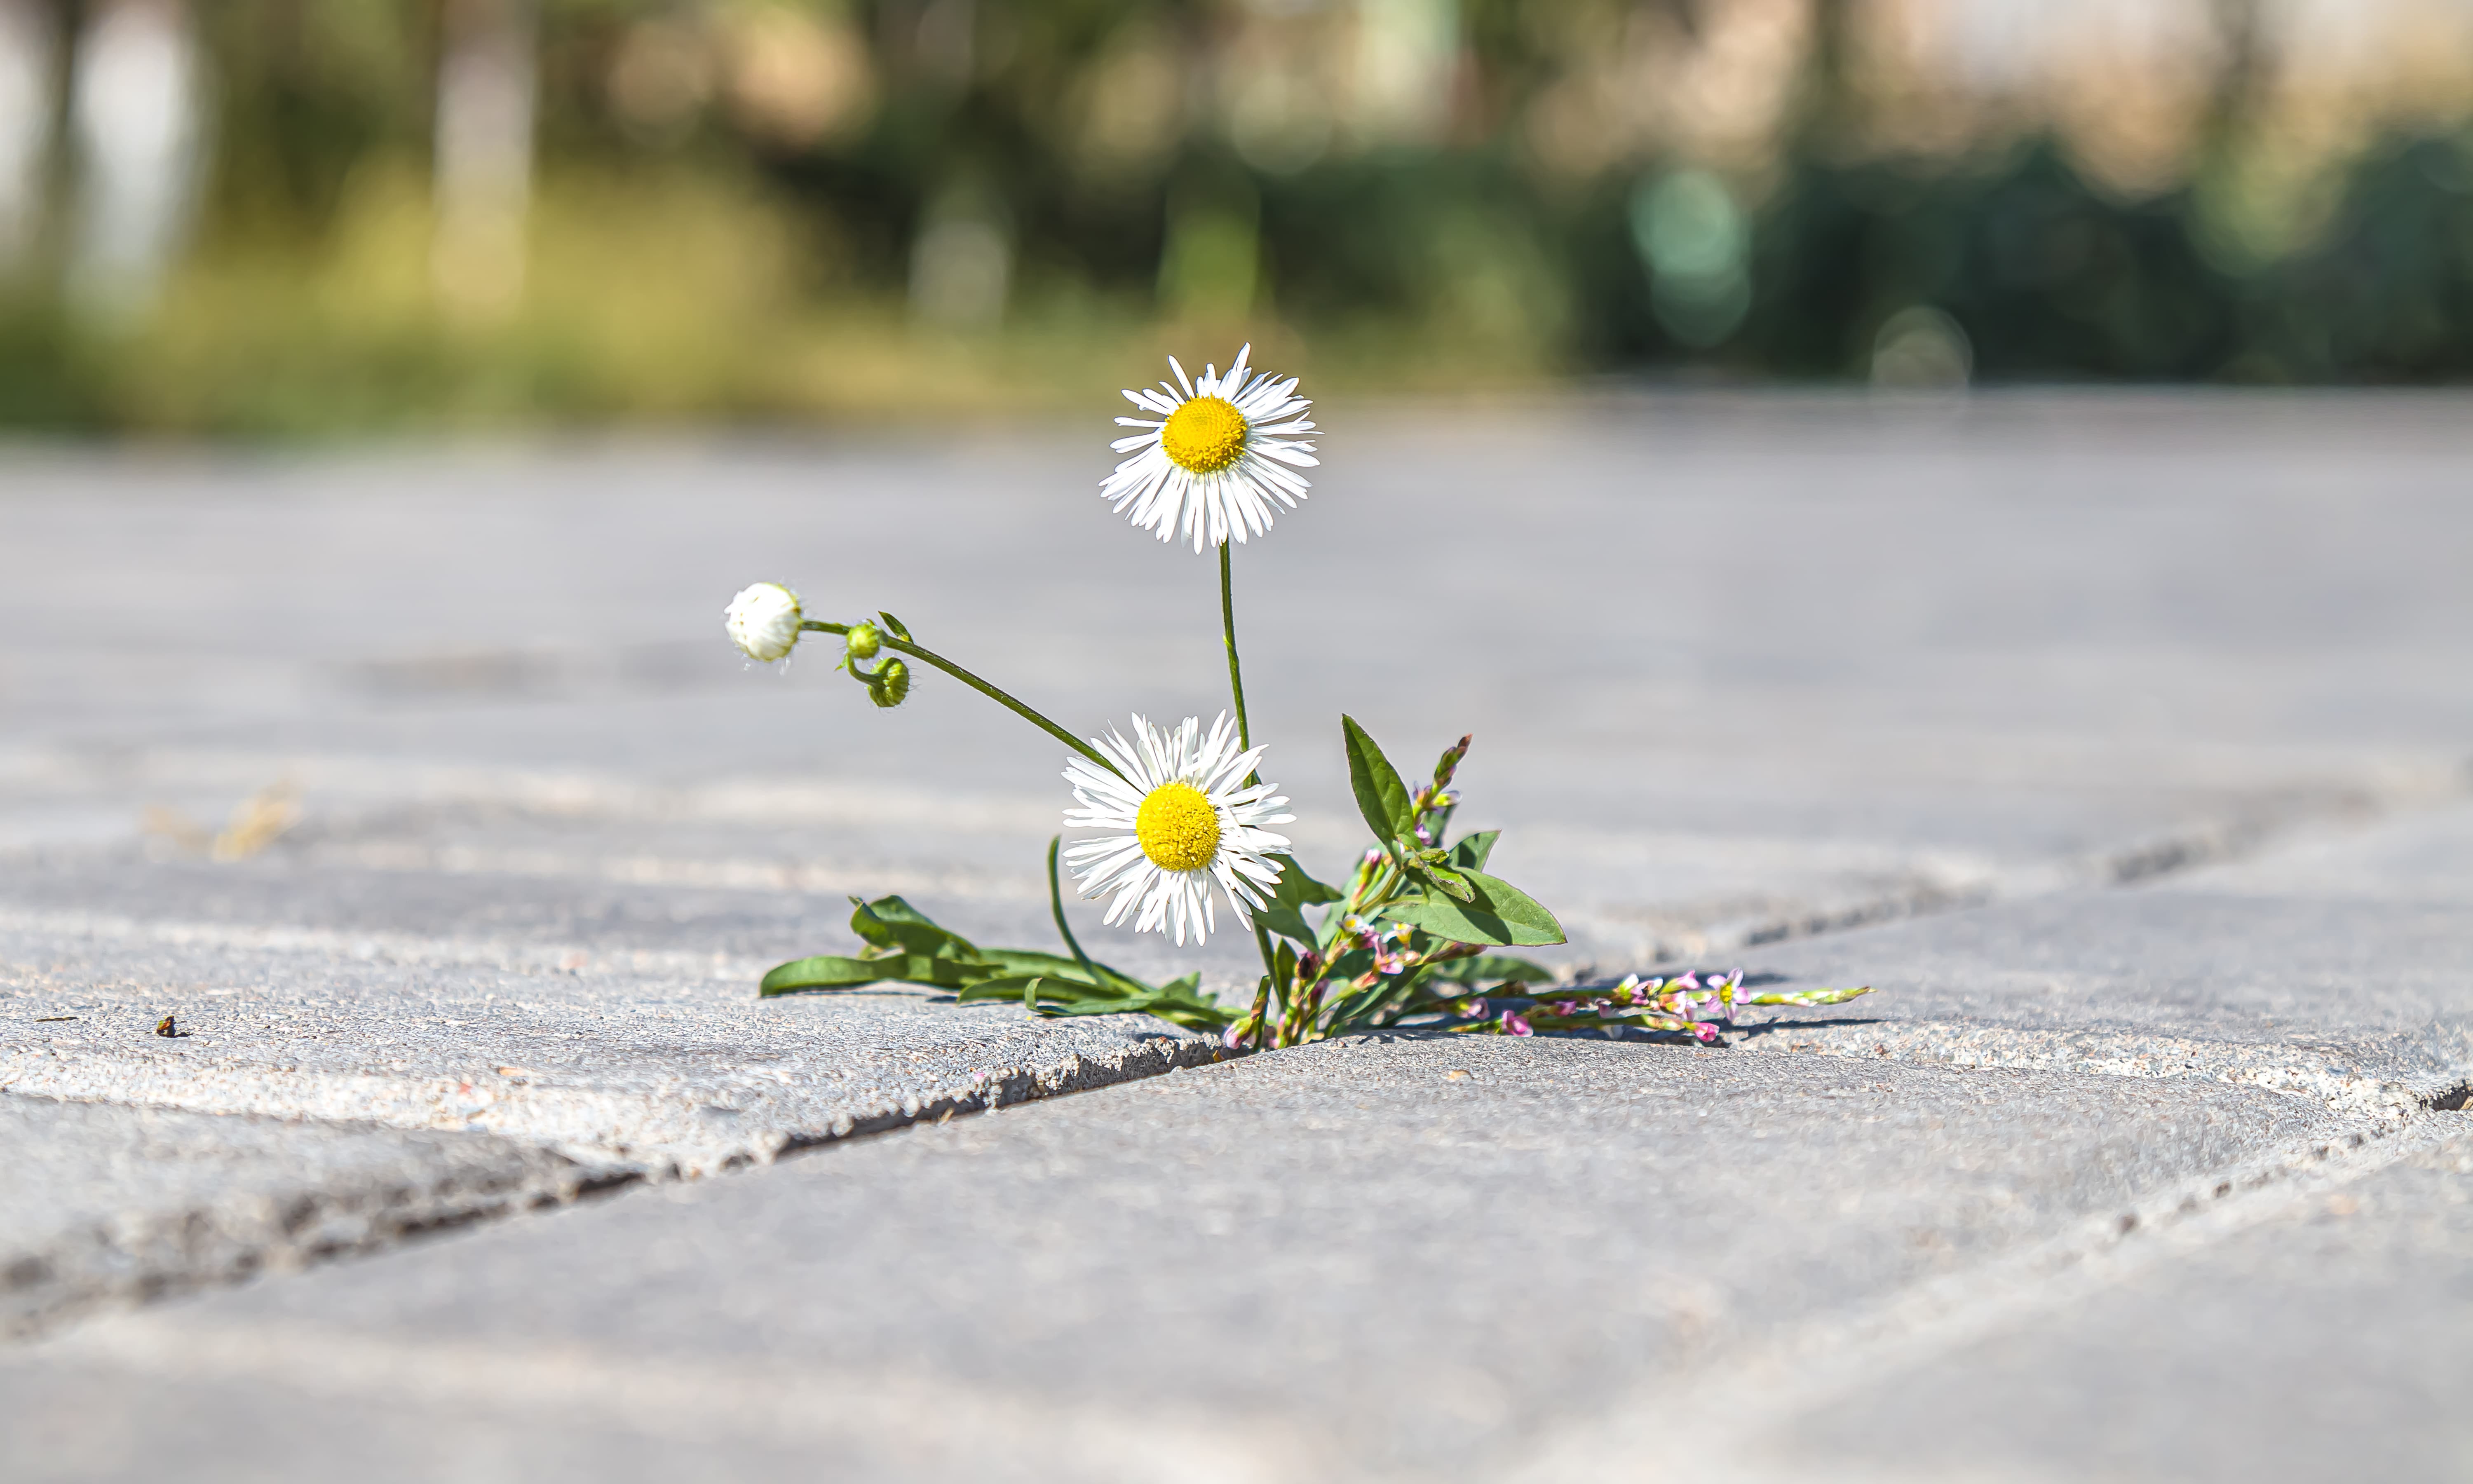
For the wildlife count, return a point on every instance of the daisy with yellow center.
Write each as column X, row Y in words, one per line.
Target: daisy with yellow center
column 1219, row 450
column 1180, row 818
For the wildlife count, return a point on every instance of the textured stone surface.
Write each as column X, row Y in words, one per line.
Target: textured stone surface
column 1743, row 670
column 99, row 1203
column 2316, row 1329
column 2366, row 1004
column 2330, row 1341
column 649, row 1068
column 1358, row 1260
column 1737, row 665
column 2340, row 967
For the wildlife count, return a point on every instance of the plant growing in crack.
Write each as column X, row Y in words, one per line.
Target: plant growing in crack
column 1183, row 818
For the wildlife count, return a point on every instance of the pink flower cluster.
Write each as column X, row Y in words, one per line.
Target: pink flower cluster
column 1678, row 1004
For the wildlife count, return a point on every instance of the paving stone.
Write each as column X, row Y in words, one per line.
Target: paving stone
column 648, row 1065
column 99, row 1203
column 2339, row 969
column 1747, row 666
column 2330, row 1340
column 1407, row 1259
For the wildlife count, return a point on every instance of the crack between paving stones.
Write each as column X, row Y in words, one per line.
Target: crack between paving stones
column 222, row 1247
column 2209, row 842
column 1840, row 1357
column 238, row 1257
column 2391, row 1098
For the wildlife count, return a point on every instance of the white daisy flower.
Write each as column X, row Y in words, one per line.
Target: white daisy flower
column 763, row 621
column 1219, row 451
column 1182, row 816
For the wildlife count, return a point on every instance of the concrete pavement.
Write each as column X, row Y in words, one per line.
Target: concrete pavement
column 2120, row 740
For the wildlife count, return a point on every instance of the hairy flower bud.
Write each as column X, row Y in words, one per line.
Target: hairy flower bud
column 763, row 621
column 890, row 686
column 863, row 640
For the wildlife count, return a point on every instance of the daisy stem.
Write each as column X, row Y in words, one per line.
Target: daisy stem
column 1056, row 905
column 1244, row 732
column 1235, row 672
column 929, row 656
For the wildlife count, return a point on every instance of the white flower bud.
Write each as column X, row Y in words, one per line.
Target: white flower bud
column 763, row 620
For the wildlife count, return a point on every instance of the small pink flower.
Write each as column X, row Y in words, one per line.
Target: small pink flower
column 1424, row 836
column 1475, row 1009
column 1514, row 1025
column 1704, row 1033
column 1387, row 963
column 1565, row 1007
column 1235, row 1037
column 1686, row 982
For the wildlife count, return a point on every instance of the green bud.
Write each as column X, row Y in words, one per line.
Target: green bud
column 863, row 640
column 890, row 686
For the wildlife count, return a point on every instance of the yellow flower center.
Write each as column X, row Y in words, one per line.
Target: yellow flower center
column 1205, row 435
column 1177, row 827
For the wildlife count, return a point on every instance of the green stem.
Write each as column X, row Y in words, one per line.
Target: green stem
column 930, row 656
column 1056, row 905
column 1228, row 628
column 1244, row 732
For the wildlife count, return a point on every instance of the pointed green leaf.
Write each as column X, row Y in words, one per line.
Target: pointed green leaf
column 1470, row 851
column 899, row 630
column 1498, row 913
column 1380, row 797
column 831, row 972
column 889, row 923
column 1295, row 891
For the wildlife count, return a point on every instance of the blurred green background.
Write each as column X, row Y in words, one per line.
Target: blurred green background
column 296, row 217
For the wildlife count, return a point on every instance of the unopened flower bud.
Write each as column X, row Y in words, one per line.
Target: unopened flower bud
column 889, row 684
column 763, row 621
column 863, row 640
column 1513, row 1024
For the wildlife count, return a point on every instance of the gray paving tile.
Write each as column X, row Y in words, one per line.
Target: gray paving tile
column 2337, row 969
column 2329, row 1341
column 1359, row 1260
column 101, row 1204
column 638, row 1064
column 1741, row 663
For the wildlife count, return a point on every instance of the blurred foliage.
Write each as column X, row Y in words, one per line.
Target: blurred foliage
column 780, row 209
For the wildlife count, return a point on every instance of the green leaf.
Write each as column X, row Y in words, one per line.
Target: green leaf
column 1380, row 797
column 1499, row 913
column 1450, row 883
column 1030, row 961
column 1285, row 913
column 1469, row 852
column 890, row 924
column 827, row 972
column 899, row 630
column 1303, row 888
column 1180, row 1001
